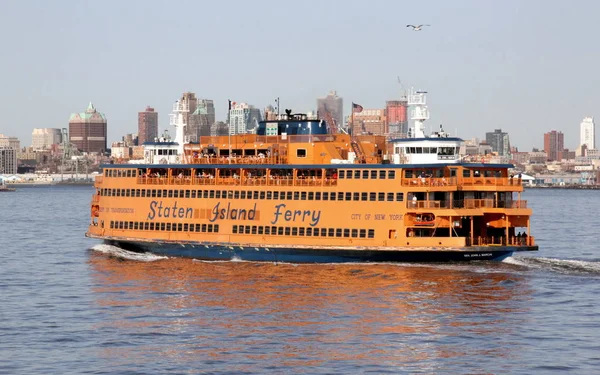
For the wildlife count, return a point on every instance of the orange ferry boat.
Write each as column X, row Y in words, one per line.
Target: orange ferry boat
column 296, row 192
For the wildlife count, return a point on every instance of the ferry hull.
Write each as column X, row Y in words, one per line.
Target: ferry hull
column 306, row 255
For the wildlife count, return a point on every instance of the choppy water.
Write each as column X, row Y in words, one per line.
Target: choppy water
column 69, row 305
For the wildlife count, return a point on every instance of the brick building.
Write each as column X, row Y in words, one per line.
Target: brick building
column 87, row 130
column 147, row 125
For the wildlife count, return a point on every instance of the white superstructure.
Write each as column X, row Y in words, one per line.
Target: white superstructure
column 164, row 150
column 418, row 148
column 419, row 113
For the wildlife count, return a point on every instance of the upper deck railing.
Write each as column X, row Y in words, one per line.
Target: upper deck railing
column 235, row 181
column 464, row 181
column 466, row 204
column 276, row 180
column 246, row 160
column 490, row 181
column 429, row 181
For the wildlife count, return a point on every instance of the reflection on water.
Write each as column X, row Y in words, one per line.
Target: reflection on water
column 244, row 316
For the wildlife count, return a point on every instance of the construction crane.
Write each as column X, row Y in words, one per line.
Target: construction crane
column 71, row 156
column 329, row 120
column 402, row 88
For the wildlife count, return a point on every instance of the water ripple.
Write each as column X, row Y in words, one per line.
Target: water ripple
column 73, row 306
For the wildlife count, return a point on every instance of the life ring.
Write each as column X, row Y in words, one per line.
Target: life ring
column 177, row 159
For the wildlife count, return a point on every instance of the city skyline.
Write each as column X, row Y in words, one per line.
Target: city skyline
column 512, row 65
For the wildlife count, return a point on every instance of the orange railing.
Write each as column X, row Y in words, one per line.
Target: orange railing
column 518, row 204
column 232, row 181
column 246, row 160
column 489, row 181
column 429, row 181
column 501, row 241
column 464, row 181
column 428, row 204
column 466, row 204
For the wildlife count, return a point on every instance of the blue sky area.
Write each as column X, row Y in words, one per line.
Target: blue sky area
column 526, row 67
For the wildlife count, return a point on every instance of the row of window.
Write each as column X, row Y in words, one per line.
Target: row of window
column 427, row 150
column 367, row 174
column 343, row 174
column 483, row 173
column 120, row 172
column 168, row 227
column 352, row 174
column 304, row 231
column 256, row 195
column 245, row 229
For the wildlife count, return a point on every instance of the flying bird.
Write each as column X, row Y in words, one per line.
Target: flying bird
column 417, row 28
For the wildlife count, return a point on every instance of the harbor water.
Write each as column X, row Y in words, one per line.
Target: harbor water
column 71, row 305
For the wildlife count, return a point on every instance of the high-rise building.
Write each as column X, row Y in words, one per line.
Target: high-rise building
column 243, row 118
column 396, row 118
column 8, row 160
column 270, row 113
column 368, row 121
column 44, row 138
column 220, row 128
column 201, row 120
column 588, row 133
column 147, row 125
column 12, row 142
column 131, row 139
column 87, row 130
column 332, row 104
column 554, row 144
column 499, row 141
column 189, row 99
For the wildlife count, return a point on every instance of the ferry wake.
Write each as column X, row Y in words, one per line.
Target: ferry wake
column 299, row 191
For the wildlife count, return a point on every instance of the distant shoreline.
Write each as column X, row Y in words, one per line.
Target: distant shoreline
column 45, row 184
column 566, row 187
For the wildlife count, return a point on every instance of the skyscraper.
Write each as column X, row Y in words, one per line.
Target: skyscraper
column 201, row 120
column 147, row 125
column 87, row 130
column 44, row 138
column 190, row 99
column 243, row 118
column 332, row 104
column 8, row 160
column 499, row 141
column 588, row 133
column 554, row 144
column 10, row 142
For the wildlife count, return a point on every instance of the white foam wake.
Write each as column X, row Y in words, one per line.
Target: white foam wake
column 557, row 265
column 126, row 254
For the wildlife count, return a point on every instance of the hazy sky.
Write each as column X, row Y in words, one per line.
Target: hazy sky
column 526, row 67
